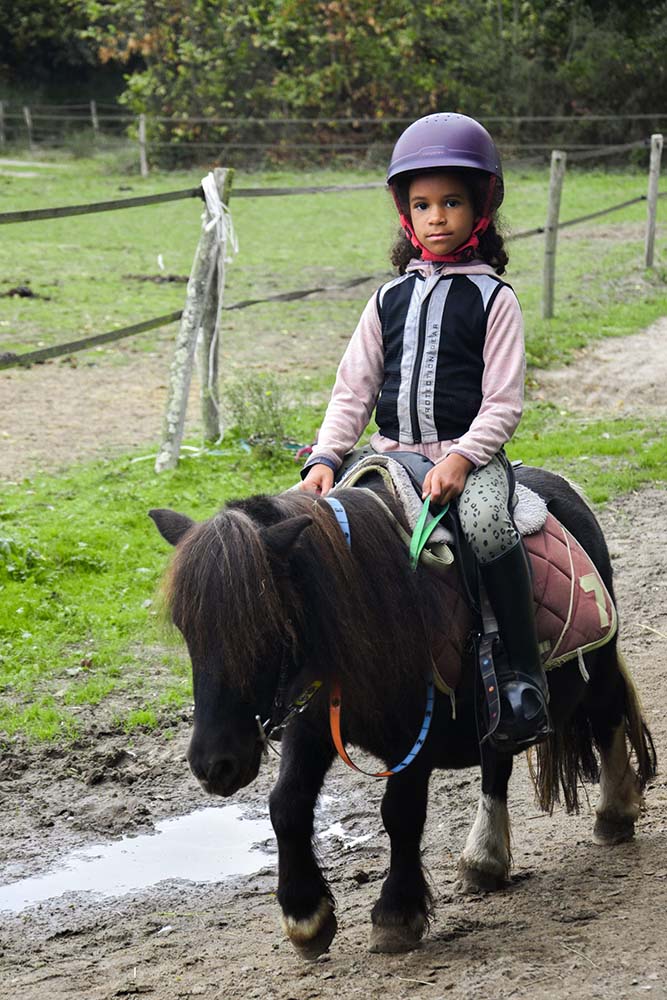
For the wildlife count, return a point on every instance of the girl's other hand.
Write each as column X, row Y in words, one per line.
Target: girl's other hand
column 445, row 481
column 319, row 479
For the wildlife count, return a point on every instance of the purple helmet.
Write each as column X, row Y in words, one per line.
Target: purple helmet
column 446, row 140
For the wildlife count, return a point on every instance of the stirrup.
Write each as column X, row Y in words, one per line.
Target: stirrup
column 524, row 715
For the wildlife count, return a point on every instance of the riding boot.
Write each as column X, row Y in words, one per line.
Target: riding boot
column 522, row 686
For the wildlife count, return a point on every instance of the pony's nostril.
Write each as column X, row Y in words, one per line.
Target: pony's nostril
column 216, row 772
column 222, row 770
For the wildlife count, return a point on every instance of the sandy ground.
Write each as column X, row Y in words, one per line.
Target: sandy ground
column 576, row 921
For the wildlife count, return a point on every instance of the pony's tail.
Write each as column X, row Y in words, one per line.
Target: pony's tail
column 568, row 758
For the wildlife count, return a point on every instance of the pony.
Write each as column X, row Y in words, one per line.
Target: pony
column 280, row 614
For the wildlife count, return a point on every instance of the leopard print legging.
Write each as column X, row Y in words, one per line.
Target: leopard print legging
column 484, row 512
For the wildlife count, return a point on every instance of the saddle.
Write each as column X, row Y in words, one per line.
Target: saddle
column 574, row 612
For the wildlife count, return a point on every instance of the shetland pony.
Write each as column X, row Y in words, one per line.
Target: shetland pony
column 270, row 598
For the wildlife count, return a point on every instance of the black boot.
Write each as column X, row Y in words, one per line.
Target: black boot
column 522, row 685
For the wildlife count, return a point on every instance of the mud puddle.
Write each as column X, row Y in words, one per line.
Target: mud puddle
column 209, row 845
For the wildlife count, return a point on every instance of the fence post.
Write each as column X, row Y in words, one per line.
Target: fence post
column 94, row 119
column 197, row 295
column 143, row 159
column 28, row 123
column 2, row 123
column 652, row 197
column 558, row 162
column 208, row 344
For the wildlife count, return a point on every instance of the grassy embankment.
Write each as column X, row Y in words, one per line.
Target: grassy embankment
column 80, row 639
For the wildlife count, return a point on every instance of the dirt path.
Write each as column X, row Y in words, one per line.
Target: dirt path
column 577, row 920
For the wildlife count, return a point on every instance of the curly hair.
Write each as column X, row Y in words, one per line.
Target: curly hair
column 491, row 243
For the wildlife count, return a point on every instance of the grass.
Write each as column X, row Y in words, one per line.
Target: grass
column 80, row 563
column 80, row 630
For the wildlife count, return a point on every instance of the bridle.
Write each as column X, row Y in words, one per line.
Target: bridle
column 280, row 714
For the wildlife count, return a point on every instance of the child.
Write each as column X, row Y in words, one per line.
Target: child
column 439, row 354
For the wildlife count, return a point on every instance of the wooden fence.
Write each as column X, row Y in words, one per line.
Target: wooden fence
column 242, row 140
column 199, row 319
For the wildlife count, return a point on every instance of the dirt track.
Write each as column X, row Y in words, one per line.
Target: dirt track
column 577, row 920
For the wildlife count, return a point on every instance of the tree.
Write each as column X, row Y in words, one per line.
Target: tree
column 38, row 37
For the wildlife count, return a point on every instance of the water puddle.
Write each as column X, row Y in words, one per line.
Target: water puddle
column 209, row 845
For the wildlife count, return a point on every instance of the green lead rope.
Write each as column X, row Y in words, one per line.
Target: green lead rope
column 423, row 531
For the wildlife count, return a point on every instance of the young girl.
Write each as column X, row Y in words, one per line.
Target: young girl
column 439, row 354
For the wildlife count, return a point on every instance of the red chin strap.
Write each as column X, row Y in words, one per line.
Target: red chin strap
column 464, row 252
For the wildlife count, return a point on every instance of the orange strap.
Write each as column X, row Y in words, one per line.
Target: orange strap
column 334, row 724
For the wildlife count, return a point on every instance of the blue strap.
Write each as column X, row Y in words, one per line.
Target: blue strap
column 426, row 725
column 341, row 517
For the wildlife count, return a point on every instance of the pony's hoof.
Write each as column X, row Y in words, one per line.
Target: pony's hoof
column 396, row 938
column 472, row 881
column 610, row 830
column 311, row 938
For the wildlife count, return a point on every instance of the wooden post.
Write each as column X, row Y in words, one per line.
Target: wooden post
column 28, row 123
column 208, row 346
column 143, row 159
column 558, row 162
column 204, row 267
column 2, row 123
column 94, row 119
column 652, row 197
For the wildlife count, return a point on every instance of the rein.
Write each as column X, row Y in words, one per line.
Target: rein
column 420, row 537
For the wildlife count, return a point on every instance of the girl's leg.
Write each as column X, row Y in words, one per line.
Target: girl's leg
column 488, row 527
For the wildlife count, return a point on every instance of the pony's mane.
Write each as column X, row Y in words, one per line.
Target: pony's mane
column 356, row 613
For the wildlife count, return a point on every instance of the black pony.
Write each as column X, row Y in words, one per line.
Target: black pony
column 270, row 598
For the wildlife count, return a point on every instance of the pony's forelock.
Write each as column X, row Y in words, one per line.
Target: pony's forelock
column 222, row 596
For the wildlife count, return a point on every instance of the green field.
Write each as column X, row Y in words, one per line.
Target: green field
column 81, row 639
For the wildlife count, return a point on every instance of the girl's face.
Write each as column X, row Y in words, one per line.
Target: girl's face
column 441, row 211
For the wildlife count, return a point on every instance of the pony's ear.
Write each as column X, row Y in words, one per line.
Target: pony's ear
column 280, row 538
column 171, row 525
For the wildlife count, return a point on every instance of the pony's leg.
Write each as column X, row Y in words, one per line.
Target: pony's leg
column 303, row 893
column 620, row 798
column 401, row 913
column 485, row 862
column 614, row 710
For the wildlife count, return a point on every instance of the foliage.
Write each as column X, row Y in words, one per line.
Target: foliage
column 379, row 58
column 37, row 36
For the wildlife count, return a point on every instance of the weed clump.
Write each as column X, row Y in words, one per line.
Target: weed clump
column 258, row 411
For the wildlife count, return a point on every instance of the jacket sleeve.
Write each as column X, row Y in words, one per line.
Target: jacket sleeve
column 355, row 392
column 502, row 382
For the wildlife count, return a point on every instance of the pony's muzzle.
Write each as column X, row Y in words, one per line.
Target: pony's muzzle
column 218, row 774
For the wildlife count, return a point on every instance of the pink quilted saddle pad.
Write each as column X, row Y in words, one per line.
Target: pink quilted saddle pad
column 573, row 609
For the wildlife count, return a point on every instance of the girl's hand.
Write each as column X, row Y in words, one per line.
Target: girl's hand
column 319, row 479
column 445, row 481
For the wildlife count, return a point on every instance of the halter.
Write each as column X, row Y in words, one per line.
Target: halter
column 335, row 700
column 282, row 714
